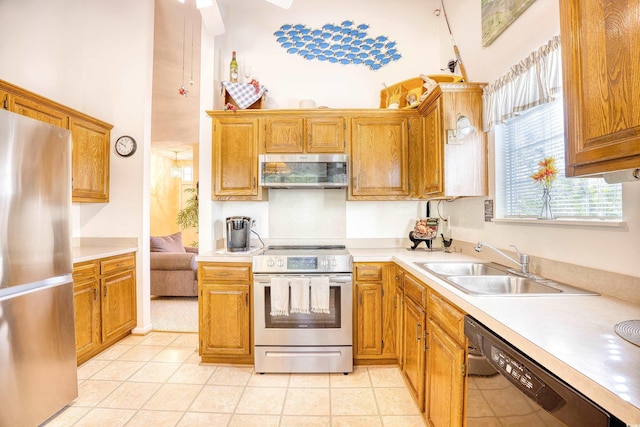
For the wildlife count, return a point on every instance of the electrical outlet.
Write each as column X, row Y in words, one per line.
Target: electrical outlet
column 254, row 223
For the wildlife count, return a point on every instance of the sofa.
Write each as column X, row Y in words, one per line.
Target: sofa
column 174, row 270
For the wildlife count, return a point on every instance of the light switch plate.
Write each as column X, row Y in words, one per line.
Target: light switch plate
column 488, row 210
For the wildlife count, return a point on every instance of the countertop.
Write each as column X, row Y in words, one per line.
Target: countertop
column 89, row 249
column 571, row 335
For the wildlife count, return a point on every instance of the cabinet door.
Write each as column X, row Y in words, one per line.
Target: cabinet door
column 283, row 135
column 118, row 304
column 444, row 405
column 432, row 155
column 325, row 135
column 389, row 310
column 369, row 319
column 37, row 110
column 379, row 157
column 414, row 350
column 235, row 158
column 86, row 301
column 600, row 67
column 398, row 303
column 225, row 320
column 90, row 161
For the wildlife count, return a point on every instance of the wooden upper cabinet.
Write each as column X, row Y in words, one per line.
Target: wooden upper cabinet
column 431, row 156
column 298, row 133
column 235, row 158
column 90, row 160
column 379, row 157
column 456, row 167
column 601, row 65
column 31, row 107
column 325, row 135
column 283, row 134
column 90, row 137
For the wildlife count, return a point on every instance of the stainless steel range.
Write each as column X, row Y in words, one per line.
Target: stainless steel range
column 303, row 309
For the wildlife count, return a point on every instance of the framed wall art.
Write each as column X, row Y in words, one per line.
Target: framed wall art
column 497, row 15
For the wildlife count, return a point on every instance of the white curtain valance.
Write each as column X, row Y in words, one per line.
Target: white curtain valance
column 535, row 80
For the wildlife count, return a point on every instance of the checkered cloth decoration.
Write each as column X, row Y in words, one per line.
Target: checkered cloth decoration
column 244, row 94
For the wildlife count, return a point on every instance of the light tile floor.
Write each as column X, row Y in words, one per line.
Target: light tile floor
column 157, row 380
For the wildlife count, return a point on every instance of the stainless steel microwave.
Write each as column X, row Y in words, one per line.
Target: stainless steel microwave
column 304, row 170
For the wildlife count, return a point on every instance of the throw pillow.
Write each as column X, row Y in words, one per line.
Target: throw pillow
column 171, row 243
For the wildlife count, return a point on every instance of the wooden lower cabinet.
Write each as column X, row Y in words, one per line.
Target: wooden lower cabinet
column 444, row 379
column 374, row 332
column 398, row 308
column 446, row 364
column 86, row 300
column 433, row 348
column 226, row 321
column 414, row 350
column 118, row 304
column 104, row 303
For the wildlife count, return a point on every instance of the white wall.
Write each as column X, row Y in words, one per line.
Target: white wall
column 95, row 57
column 605, row 248
column 290, row 78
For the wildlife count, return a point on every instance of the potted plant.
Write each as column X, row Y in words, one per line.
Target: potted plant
column 188, row 216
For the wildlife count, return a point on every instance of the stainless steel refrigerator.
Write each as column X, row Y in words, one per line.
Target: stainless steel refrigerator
column 38, row 375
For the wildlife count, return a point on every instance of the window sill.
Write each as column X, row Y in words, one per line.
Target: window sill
column 564, row 222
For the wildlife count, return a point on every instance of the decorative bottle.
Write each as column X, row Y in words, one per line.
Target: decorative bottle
column 233, row 69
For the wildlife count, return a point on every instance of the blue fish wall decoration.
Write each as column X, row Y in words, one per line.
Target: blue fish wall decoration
column 345, row 43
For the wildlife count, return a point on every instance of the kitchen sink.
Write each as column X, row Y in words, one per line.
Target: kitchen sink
column 492, row 279
column 463, row 268
column 500, row 285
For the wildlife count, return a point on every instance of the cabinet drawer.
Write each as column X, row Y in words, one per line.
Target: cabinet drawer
column 116, row 263
column 85, row 270
column 368, row 273
column 225, row 272
column 415, row 290
column 449, row 317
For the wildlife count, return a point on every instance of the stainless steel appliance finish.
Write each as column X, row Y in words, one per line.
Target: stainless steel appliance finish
column 303, row 259
column 515, row 390
column 38, row 375
column 304, row 170
column 313, row 342
column 238, row 234
column 491, row 279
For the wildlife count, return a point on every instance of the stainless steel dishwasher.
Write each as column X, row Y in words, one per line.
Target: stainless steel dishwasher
column 506, row 387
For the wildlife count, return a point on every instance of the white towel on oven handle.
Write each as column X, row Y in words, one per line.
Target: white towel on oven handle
column 279, row 296
column 320, row 295
column 300, row 295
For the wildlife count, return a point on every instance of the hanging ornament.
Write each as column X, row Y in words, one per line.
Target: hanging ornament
column 182, row 91
column 191, row 80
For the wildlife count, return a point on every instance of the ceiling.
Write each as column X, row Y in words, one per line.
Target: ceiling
column 176, row 62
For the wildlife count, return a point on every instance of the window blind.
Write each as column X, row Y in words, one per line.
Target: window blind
column 523, row 141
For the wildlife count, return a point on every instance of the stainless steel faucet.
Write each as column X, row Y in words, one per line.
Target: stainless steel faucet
column 524, row 259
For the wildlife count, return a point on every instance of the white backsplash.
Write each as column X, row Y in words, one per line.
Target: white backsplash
column 321, row 214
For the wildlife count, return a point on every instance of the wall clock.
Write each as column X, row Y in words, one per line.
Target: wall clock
column 126, row 146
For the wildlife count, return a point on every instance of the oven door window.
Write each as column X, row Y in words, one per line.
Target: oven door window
column 304, row 321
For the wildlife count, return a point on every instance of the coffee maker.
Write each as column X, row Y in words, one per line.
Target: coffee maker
column 238, row 234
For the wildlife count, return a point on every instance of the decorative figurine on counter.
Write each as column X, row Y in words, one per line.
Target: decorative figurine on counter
column 446, row 243
column 425, row 230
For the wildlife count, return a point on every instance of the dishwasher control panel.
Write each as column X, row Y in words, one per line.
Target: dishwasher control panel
column 512, row 368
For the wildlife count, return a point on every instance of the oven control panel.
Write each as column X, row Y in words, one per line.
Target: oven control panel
column 302, row 264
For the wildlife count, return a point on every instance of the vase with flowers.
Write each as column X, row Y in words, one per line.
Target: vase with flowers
column 545, row 177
